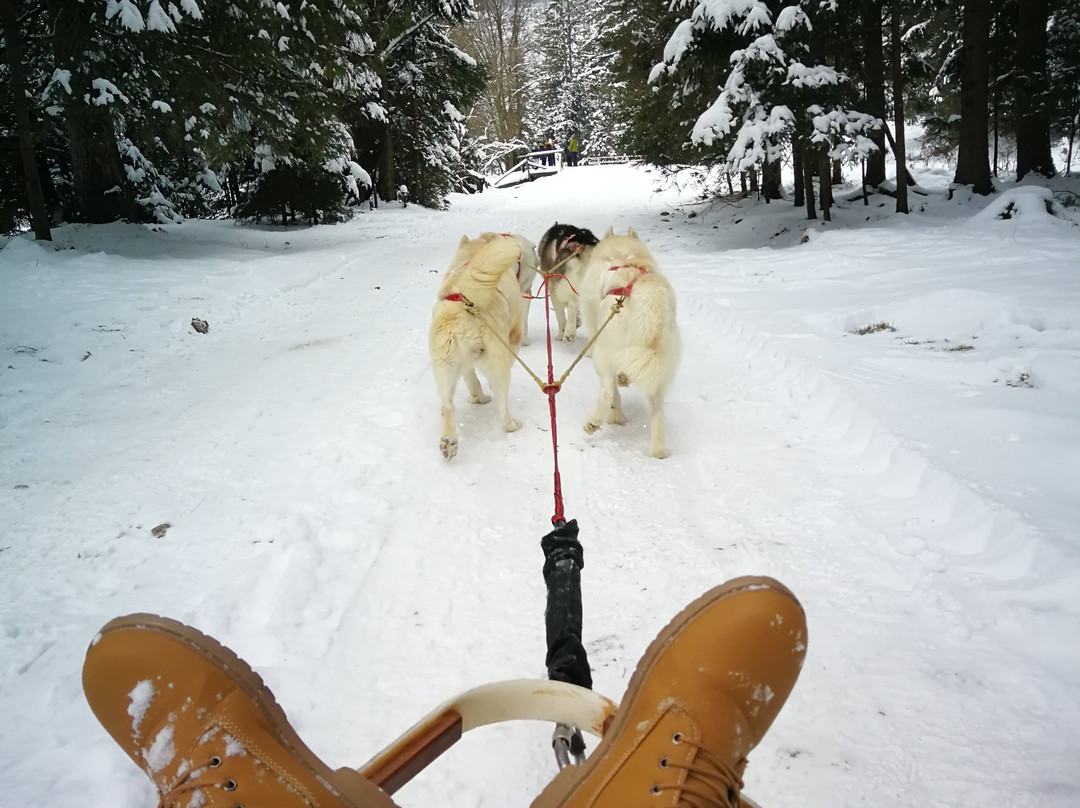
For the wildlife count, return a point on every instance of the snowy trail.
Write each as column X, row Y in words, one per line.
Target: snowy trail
column 316, row 530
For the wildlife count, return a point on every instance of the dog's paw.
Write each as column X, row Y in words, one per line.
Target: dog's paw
column 623, row 380
column 591, row 426
column 481, row 399
column 615, row 416
column 568, row 338
column 448, row 447
column 512, row 425
column 660, row 452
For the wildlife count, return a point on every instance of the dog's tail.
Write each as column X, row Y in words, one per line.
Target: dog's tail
column 650, row 357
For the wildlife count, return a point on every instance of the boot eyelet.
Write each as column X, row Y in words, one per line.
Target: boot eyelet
column 663, row 763
column 655, row 789
column 677, row 738
column 215, row 761
column 229, row 785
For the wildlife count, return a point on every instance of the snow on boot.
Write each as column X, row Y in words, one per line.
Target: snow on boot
column 701, row 698
column 201, row 723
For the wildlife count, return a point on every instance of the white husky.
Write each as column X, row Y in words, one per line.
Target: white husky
column 477, row 315
column 640, row 344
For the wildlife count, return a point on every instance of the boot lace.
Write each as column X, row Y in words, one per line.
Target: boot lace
column 711, row 782
column 214, row 787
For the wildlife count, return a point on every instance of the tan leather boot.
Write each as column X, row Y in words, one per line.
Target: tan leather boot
column 201, row 723
column 701, row 698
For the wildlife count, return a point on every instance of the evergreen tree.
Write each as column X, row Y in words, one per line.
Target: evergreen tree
column 1063, row 70
column 436, row 82
column 972, row 164
column 572, row 86
column 778, row 91
column 660, row 109
column 411, row 50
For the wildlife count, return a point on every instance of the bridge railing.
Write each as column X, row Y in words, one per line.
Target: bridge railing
column 533, row 164
column 609, row 159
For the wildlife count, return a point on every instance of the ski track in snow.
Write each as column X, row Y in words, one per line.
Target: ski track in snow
column 317, row 531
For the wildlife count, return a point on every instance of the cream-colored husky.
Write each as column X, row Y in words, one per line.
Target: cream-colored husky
column 640, row 345
column 479, row 299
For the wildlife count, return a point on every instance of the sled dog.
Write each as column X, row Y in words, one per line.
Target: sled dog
column 525, row 270
column 640, row 344
column 478, row 303
column 571, row 246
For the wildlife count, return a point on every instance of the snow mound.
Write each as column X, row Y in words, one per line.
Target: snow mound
column 1024, row 203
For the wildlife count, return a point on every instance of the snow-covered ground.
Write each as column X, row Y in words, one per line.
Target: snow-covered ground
column 916, row 486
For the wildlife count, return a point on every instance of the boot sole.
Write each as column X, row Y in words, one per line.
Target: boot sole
column 352, row 788
column 557, row 793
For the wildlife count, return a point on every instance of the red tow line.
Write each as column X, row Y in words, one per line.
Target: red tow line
column 551, row 388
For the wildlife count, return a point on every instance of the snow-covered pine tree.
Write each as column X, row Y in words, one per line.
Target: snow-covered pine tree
column 779, row 92
column 171, row 104
column 1063, row 66
column 659, row 115
column 434, row 82
column 411, row 133
column 572, row 85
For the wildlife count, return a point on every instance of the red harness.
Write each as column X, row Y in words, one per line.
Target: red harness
column 624, row 291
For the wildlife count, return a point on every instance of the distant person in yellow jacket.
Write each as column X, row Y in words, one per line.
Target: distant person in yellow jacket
column 572, row 147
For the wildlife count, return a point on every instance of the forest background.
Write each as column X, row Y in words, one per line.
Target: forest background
column 287, row 111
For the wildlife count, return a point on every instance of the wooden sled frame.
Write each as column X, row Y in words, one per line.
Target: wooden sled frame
column 512, row 700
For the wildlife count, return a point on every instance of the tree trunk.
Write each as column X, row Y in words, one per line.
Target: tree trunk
column 1032, row 108
column 837, row 172
column 102, row 191
column 1072, row 135
column 754, row 187
column 972, row 162
column 770, row 180
column 995, row 124
column 101, row 188
column 899, row 147
column 874, row 82
column 797, row 163
column 35, row 197
column 386, row 188
column 808, row 183
column 825, row 188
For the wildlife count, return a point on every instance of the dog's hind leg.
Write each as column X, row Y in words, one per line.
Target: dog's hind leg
column 476, row 392
column 572, row 321
column 498, row 374
column 615, row 413
column 526, row 303
column 560, row 316
column 605, row 404
column 446, row 380
column 656, row 407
